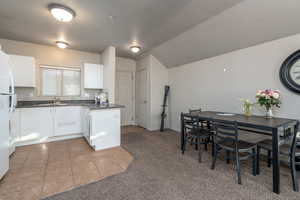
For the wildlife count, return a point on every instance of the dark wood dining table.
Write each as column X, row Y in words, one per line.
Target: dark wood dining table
column 275, row 127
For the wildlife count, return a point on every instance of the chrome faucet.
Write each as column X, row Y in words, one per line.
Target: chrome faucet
column 56, row 100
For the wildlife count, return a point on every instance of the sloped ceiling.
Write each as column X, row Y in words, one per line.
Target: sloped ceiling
column 246, row 24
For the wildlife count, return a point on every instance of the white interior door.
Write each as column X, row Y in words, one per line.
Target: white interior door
column 124, row 96
column 142, row 98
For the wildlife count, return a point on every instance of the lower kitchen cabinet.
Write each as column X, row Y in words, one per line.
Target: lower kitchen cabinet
column 85, row 122
column 104, row 129
column 36, row 124
column 15, row 125
column 101, row 128
column 67, row 120
column 14, row 133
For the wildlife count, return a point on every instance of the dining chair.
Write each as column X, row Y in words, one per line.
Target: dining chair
column 288, row 149
column 226, row 137
column 195, row 112
column 204, row 124
column 195, row 133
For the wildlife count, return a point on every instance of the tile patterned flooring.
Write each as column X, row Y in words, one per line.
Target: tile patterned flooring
column 42, row 170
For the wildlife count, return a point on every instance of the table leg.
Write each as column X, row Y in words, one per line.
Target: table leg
column 276, row 161
column 182, row 132
column 209, row 126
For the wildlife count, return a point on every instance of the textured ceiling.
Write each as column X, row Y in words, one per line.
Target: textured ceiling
column 149, row 22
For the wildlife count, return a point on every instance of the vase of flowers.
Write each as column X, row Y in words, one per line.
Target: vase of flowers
column 247, row 107
column 268, row 99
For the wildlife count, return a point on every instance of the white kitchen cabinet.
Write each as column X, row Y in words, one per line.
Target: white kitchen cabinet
column 67, row 120
column 93, row 76
column 14, row 133
column 101, row 128
column 23, row 68
column 36, row 124
column 15, row 125
column 85, row 122
column 105, row 131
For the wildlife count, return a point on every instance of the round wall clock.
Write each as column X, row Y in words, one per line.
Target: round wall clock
column 290, row 72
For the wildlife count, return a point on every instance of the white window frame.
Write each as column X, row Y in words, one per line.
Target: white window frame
column 61, row 69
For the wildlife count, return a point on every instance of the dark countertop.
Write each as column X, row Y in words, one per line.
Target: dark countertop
column 98, row 107
column 84, row 103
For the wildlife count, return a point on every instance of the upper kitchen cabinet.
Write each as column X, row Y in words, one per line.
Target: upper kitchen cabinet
column 93, row 76
column 23, row 68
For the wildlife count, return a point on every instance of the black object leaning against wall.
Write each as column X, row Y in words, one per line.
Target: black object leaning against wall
column 163, row 113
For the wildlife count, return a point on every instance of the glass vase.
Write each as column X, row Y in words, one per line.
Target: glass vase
column 269, row 113
column 247, row 110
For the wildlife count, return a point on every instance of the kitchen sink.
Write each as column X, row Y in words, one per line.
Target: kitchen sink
column 60, row 104
column 52, row 104
column 45, row 104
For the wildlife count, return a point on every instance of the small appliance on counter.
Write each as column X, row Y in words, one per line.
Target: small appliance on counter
column 102, row 99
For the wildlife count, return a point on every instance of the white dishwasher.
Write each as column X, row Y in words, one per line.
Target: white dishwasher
column 104, row 128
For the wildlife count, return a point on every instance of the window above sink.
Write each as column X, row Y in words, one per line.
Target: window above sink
column 60, row 81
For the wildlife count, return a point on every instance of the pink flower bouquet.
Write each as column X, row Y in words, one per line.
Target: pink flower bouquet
column 268, row 99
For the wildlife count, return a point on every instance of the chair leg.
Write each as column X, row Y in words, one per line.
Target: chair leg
column 214, row 157
column 200, row 151
column 269, row 159
column 184, row 144
column 227, row 157
column 205, row 144
column 254, row 162
column 294, row 174
column 257, row 161
column 192, row 141
column 213, row 146
column 238, row 168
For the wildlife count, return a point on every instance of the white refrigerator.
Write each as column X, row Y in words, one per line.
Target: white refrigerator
column 6, row 108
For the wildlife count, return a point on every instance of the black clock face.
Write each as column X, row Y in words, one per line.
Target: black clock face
column 290, row 72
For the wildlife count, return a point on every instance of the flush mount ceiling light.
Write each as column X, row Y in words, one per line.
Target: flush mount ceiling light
column 135, row 49
column 61, row 13
column 62, row 45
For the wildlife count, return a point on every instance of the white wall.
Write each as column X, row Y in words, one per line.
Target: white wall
column 206, row 84
column 157, row 78
column 125, row 64
column 109, row 61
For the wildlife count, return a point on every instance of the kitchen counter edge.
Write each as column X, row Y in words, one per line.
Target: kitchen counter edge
column 90, row 106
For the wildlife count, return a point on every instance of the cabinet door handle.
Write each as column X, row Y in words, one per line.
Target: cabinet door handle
column 66, row 124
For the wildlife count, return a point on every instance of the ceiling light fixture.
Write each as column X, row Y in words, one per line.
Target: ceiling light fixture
column 61, row 13
column 135, row 49
column 62, row 45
